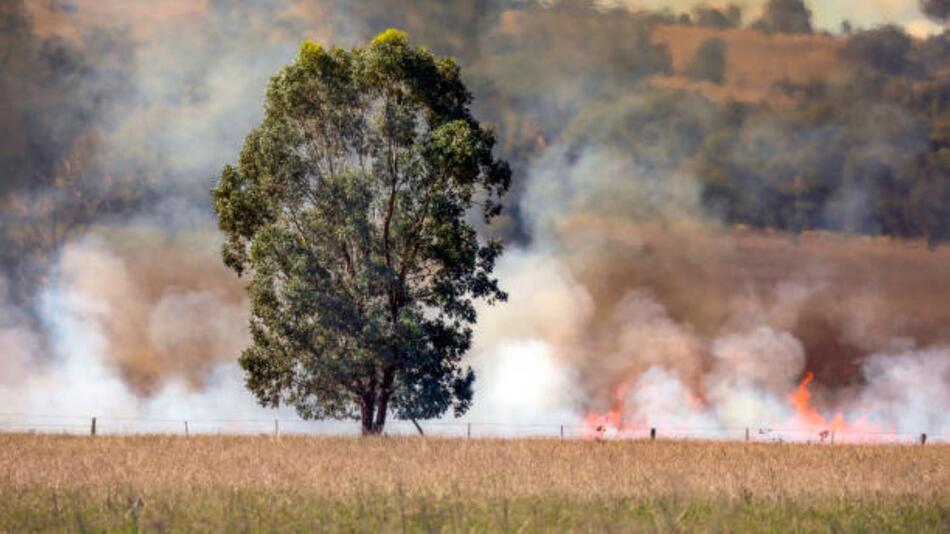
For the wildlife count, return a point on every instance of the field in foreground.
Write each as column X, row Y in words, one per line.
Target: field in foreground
column 410, row 484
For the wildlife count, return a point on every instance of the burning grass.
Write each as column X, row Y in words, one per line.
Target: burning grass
column 298, row 483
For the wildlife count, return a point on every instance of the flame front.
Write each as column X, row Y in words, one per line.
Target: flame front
column 597, row 425
column 809, row 419
column 806, row 422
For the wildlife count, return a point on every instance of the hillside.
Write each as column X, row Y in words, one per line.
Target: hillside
column 755, row 60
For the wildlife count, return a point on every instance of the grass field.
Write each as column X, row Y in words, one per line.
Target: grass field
column 410, row 484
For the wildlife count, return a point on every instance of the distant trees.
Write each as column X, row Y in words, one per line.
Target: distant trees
column 713, row 17
column 349, row 208
column 936, row 9
column 709, row 63
column 884, row 49
column 869, row 154
column 785, row 16
column 572, row 48
column 451, row 28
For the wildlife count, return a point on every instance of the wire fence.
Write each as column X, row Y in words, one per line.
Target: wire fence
column 97, row 425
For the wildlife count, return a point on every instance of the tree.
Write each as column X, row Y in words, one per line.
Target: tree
column 349, row 209
column 936, row 9
column 728, row 17
column 709, row 63
column 885, row 49
column 785, row 16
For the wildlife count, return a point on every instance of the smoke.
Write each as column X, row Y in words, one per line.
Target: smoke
column 678, row 322
column 134, row 331
column 909, row 387
column 17, row 339
column 168, row 311
column 632, row 302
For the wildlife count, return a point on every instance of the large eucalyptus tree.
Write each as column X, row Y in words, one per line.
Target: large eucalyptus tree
column 350, row 210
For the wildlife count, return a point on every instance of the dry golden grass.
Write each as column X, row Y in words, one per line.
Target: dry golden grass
column 755, row 61
column 340, row 467
column 367, row 484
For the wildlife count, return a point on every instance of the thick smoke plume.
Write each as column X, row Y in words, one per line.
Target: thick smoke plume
column 639, row 296
column 168, row 309
column 662, row 318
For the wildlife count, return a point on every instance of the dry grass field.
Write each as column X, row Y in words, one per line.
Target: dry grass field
column 302, row 483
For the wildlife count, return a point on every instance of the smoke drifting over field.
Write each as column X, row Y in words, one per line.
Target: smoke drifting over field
column 661, row 318
column 633, row 303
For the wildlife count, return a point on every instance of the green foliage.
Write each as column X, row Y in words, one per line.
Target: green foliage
column 391, row 37
column 349, row 209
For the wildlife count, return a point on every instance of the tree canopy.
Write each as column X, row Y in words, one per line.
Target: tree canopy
column 785, row 16
column 351, row 210
column 936, row 9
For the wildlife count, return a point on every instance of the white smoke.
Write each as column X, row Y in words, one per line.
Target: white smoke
column 78, row 374
column 18, row 342
column 540, row 358
column 114, row 343
column 539, row 354
column 908, row 389
column 522, row 375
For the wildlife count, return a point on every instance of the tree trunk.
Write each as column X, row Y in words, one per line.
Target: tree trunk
column 374, row 403
column 382, row 406
column 385, row 393
column 366, row 417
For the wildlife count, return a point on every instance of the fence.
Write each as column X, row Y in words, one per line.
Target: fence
column 96, row 425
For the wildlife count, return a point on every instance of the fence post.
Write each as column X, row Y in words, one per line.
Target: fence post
column 747, row 433
column 92, row 431
column 832, row 437
column 276, row 428
column 562, row 431
column 923, row 439
column 653, row 434
column 186, row 428
column 468, row 431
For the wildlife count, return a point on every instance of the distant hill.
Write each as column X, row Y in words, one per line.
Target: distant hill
column 755, row 60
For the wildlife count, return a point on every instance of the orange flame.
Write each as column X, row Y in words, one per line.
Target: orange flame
column 801, row 399
column 808, row 418
column 812, row 420
column 597, row 424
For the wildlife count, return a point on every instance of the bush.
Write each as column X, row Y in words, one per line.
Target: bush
column 785, row 16
column 729, row 17
column 709, row 63
column 883, row 49
column 936, row 9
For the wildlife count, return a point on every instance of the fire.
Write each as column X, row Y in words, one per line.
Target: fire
column 807, row 420
column 811, row 420
column 801, row 399
column 596, row 424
